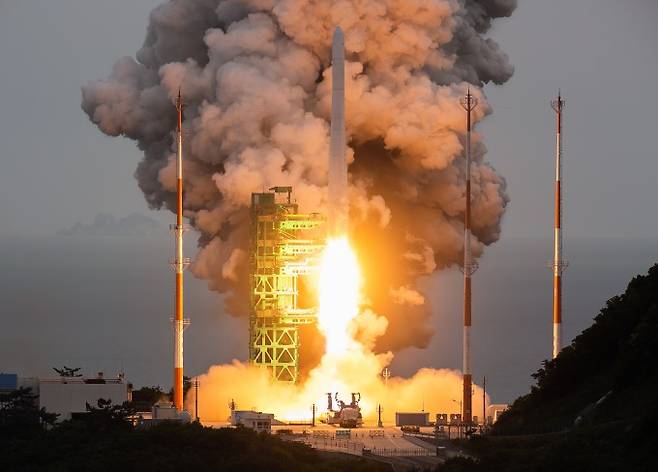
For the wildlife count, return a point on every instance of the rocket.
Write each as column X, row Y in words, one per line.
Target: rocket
column 338, row 204
column 559, row 264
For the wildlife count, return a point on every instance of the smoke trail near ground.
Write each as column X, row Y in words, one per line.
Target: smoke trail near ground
column 256, row 78
column 437, row 391
column 356, row 369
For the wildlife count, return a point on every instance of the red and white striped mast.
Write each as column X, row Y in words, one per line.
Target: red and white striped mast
column 558, row 264
column 469, row 102
column 179, row 263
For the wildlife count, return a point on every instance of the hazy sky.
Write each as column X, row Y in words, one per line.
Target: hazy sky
column 58, row 169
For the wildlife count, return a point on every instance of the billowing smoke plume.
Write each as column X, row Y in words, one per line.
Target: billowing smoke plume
column 255, row 75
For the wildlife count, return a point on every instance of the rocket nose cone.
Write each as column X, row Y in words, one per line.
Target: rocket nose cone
column 338, row 35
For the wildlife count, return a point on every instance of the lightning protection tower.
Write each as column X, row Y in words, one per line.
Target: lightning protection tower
column 559, row 264
column 179, row 263
column 469, row 266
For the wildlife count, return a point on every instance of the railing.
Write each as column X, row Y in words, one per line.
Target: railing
column 399, row 452
column 81, row 380
column 348, row 447
column 327, row 442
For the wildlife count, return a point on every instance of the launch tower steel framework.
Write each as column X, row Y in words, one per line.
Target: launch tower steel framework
column 285, row 246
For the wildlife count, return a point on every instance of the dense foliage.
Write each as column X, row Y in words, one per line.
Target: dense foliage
column 144, row 398
column 594, row 407
column 613, row 362
column 102, row 440
column 20, row 418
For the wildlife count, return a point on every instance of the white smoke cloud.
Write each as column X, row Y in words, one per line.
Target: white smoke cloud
column 405, row 295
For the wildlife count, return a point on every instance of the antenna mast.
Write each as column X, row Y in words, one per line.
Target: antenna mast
column 469, row 102
column 179, row 263
column 559, row 264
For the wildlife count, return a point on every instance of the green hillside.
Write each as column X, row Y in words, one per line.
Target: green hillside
column 594, row 407
column 608, row 373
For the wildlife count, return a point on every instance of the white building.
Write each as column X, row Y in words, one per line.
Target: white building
column 68, row 396
column 166, row 411
column 256, row 420
column 494, row 411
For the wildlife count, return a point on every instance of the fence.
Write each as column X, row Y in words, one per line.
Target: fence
column 348, row 447
column 326, row 441
column 388, row 452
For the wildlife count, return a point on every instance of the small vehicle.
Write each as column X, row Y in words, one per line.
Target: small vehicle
column 410, row 429
column 348, row 415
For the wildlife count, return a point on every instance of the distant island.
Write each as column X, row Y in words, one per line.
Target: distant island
column 106, row 224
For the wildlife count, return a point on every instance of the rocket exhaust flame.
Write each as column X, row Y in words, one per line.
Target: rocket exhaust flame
column 340, row 282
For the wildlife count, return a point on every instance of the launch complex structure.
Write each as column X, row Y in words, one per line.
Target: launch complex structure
column 285, row 248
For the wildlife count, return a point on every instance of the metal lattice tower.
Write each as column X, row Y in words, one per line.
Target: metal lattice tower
column 179, row 263
column 285, row 246
column 469, row 266
column 558, row 264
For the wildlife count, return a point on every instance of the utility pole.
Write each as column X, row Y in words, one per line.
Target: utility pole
column 379, row 416
column 484, row 402
column 195, row 382
column 469, row 102
column 313, row 410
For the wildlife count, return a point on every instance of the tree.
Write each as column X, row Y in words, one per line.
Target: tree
column 144, row 398
column 20, row 415
column 106, row 416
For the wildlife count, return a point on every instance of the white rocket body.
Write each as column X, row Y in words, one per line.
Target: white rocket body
column 338, row 203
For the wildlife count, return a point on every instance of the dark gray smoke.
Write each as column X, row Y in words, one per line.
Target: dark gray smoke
column 255, row 76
